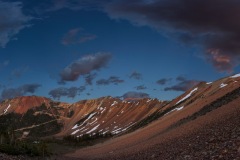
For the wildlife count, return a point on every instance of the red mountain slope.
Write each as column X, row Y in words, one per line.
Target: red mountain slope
column 203, row 123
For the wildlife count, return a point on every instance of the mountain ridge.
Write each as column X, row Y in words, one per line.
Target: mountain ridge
column 143, row 119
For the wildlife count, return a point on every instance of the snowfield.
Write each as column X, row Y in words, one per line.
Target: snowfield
column 188, row 95
column 236, row 75
column 93, row 129
column 223, row 85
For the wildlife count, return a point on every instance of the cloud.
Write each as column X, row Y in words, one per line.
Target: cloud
column 163, row 81
column 20, row 91
column 18, row 72
column 181, row 78
column 213, row 25
column 111, row 80
column 141, row 87
column 182, row 85
column 134, row 95
column 85, row 66
column 136, row 75
column 76, row 5
column 89, row 78
column 77, row 36
column 4, row 64
column 71, row 92
column 12, row 21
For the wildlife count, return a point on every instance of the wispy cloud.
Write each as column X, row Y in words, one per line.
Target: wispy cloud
column 76, row 5
column 135, row 75
column 89, row 78
column 111, row 80
column 163, row 81
column 183, row 84
column 18, row 72
column 141, row 87
column 12, row 21
column 19, row 91
column 4, row 64
column 71, row 92
column 77, row 36
column 135, row 95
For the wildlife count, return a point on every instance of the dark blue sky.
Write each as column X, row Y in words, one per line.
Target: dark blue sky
column 76, row 49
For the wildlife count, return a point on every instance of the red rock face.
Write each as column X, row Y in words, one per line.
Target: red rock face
column 26, row 103
column 22, row 104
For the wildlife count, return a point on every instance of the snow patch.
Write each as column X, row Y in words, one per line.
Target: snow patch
column 188, row 95
column 175, row 109
column 209, row 83
column 116, row 131
column 179, row 108
column 89, row 117
column 84, row 130
column 78, row 131
column 93, row 121
column 105, row 132
column 236, row 75
column 128, row 126
column 149, row 100
column 114, row 103
column 76, row 126
column 223, row 85
column 93, row 129
column 100, row 104
column 75, row 132
column 5, row 110
column 103, row 110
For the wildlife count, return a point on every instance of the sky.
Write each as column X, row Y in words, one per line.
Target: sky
column 70, row 50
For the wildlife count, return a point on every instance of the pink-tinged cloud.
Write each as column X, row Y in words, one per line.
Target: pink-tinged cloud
column 182, row 85
column 223, row 63
column 77, row 36
column 211, row 24
column 84, row 66
column 71, row 92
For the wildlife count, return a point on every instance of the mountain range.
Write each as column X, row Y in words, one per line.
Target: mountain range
column 202, row 123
